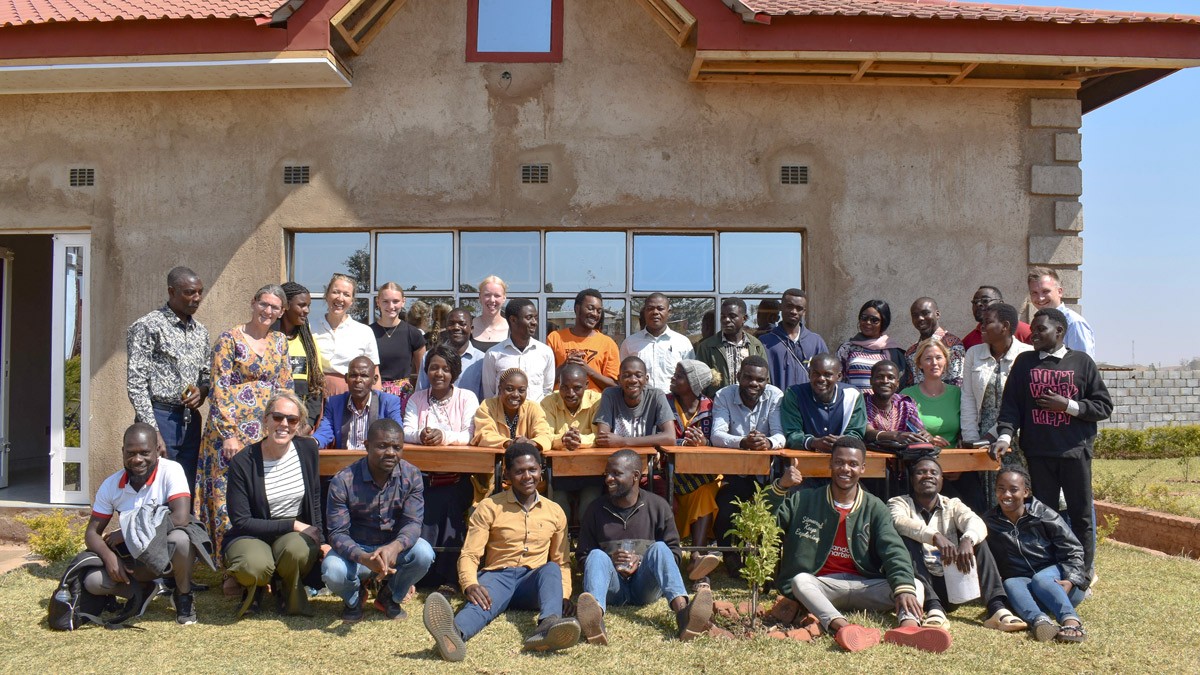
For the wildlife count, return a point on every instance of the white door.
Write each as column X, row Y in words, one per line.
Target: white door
column 6, row 261
column 69, row 369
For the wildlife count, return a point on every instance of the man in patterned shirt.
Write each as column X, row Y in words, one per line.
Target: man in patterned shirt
column 925, row 316
column 724, row 351
column 374, row 513
column 168, row 373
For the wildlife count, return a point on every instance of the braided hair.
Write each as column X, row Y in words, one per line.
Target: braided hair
column 316, row 378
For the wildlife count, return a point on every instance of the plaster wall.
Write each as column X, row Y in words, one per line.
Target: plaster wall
column 913, row 192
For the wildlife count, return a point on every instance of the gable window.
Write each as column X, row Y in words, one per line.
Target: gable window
column 514, row 31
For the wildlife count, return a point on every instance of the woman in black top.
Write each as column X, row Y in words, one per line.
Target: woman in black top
column 274, row 502
column 401, row 345
column 1039, row 557
column 308, row 381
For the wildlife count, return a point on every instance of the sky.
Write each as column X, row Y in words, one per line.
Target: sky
column 1141, row 175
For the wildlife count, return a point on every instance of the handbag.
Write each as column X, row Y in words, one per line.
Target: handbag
column 906, row 452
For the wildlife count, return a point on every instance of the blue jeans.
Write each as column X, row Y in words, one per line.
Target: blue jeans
column 182, row 441
column 1032, row 597
column 344, row 577
column 657, row 576
column 538, row 589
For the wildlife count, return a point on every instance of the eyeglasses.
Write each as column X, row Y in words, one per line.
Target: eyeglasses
column 292, row 420
column 268, row 307
column 869, row 319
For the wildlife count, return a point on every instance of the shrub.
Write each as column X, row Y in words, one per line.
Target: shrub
column 755, row 527
column 1155, row 443
column 1154, row 497
column 55, row 535
column 1104, row 531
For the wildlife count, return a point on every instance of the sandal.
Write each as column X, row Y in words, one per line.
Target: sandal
column 1044, row 629
column 1005, row 621
column 1074, row 634
column 935, row 618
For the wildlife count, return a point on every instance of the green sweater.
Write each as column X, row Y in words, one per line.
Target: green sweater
column 810, row 522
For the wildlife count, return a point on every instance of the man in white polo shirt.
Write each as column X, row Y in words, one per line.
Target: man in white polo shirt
column 520, row 350
column 147, row 481
column 659, row 347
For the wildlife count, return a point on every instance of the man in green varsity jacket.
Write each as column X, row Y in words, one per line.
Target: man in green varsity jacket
column 842, row 552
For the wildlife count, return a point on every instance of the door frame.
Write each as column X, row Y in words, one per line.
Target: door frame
column 60, row 455
column 6, row 258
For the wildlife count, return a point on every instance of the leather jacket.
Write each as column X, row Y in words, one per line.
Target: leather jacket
column 1038, row 539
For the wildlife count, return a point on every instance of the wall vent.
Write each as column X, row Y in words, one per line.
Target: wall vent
column 81, row 177
column 535, row 174
column 793, row 174
column 296, row 175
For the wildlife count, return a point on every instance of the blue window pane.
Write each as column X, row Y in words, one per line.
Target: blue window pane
column 760, row 262
column 579, row 260
column 515, row 257
column 418, row 262
column 672, row 262
column 317, row 255
column 514, row 26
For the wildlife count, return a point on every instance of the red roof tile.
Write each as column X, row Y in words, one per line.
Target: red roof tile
column 950, row 9
column 18, row 12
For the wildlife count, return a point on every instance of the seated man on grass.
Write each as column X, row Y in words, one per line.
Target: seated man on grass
column 374, row 513
column 148, row 482
column 942, row 531
column 842, row 553
column 515, row 556
column 630, row 553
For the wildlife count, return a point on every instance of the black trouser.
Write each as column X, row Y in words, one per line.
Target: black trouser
column 991, row 586
column 1073, row 476
column 970, row 488
column 732, row 487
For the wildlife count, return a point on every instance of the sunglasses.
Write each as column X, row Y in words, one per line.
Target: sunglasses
column 292, row 420
column 870, row 319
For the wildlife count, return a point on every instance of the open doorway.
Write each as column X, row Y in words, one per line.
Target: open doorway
column 26, row 377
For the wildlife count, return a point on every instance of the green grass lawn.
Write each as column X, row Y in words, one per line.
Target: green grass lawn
column 1160, row 484
column 1143, row 618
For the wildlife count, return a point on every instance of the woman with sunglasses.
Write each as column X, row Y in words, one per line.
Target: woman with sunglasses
column 869, row 346
column 274, row 502
column 249, row 366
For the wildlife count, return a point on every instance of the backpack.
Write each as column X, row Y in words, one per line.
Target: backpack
column 72, row 607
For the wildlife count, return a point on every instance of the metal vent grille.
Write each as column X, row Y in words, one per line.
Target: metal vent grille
column 793, row 174
column 81, row 177
column 535, row 174
column 296, row 175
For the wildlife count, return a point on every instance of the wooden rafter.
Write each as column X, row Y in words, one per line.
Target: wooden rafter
column 862, row 70
column 359, row 22
column 672, row 17
column 967, row 69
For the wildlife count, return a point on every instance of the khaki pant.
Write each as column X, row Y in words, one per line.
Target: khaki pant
column 254, row 563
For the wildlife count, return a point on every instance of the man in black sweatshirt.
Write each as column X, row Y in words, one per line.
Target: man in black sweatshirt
column 630, row 552
column 1054, row 397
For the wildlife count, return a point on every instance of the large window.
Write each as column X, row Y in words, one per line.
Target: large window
column 514, row 31
column 696, row 269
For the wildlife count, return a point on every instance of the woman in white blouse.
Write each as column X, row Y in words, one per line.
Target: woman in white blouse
column 985, row 371
column 443, row 415
column 340, row 338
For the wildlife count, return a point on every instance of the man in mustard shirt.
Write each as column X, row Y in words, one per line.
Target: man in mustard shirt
column 570, row 412
column 515, row 555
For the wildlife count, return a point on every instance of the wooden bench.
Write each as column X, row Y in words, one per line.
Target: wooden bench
column 955, row 460
column 591, row 462
column 427, row 458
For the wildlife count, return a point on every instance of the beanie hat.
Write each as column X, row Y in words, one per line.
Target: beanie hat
column 698, row 373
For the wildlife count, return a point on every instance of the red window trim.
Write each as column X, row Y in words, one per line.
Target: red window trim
column 556, row 40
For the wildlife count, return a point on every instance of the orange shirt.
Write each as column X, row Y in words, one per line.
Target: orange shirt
column 599, row 352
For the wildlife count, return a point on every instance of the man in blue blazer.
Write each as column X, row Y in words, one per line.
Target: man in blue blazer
column 348, row 416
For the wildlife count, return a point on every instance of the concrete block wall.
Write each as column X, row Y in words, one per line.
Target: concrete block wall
column 1152, row 398
column 1055, row 185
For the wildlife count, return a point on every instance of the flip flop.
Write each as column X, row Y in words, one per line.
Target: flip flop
column 935, row 618
column 1044, row 629
column 1005, row 621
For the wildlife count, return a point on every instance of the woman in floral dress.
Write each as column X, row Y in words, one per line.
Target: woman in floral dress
column 249, row 364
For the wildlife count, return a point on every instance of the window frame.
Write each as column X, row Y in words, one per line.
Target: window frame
column 555, row 55
column 542, row 297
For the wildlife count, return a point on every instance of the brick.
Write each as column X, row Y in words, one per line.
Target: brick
column 1068, row 216
column 1072, row 283
column 1055, row 250
column 1056, row 180
column 1055, row 112
column 1068, row 147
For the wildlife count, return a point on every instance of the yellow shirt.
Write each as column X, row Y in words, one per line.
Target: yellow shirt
column 562, row 420
column 491, row 430
column 502, row 534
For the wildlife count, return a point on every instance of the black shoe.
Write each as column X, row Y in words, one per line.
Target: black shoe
column 251, row 602
column 198, row 587
column 439, row 621
column 694, row 617
column 385, row 603
column 591, row 619
column 353, row 613
column 553, row 634
column 185, row 608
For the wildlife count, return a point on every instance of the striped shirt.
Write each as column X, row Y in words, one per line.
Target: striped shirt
column 283, row 483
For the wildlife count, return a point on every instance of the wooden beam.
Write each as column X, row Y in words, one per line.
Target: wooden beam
column 967, row 68
column 949, row 57
column 862, row 70
column 779, row 67
column 377, row 27
column 672, row 17
column 892, row 68
column 895, row 81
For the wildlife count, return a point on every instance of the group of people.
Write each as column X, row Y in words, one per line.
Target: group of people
column 280, row 389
